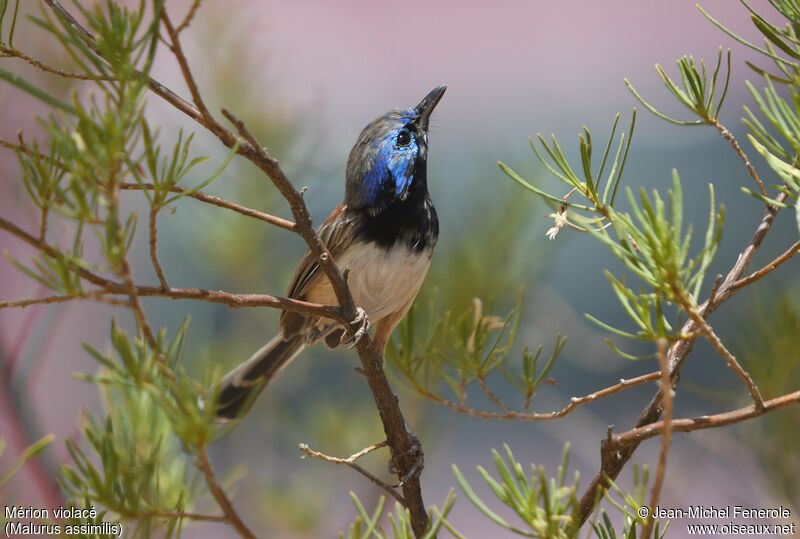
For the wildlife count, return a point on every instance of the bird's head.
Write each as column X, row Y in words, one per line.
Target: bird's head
column 388, row 162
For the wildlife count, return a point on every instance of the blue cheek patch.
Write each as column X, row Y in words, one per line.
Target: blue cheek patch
column 401, row 165
column 391, row 163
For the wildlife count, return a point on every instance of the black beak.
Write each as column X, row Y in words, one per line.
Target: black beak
column 426, row 106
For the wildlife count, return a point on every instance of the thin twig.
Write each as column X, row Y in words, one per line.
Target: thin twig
column 189, row 16
column 491, row 395
column 185, row 70
column 95, row 294
column 154, row 248
column 14, row 53
column 716, row 342
column 666, row 435
column 637, row 435
column 43, row 223
column 213, row 296
column 740, row 152
column 351, row 462
column 136, row 306
column 219, row 202
column 218, row 493
column 769, row 268
column 512, row 415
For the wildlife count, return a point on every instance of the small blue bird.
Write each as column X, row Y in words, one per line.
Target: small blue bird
column 384, row 231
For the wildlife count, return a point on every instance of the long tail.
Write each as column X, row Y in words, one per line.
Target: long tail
column 241, row 386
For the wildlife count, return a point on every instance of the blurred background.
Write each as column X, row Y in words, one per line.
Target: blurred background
column 307, row 76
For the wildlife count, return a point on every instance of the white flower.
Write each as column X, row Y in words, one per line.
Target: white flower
column 560, row 222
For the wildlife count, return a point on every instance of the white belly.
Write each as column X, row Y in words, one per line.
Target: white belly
column 382, row 281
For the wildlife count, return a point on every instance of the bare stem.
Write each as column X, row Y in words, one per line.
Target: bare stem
column 512, row 415
column 154, row 248
column 185, row 70
column 189, row 16
column 93, row 295
column 740, row 152
column 14, row 53
column 769, row 268
column 213, row 296
column 219, row 202
column 637, row 435
column 231, row 516
column 491, row 395
column 666, row 435
column 716, row 342
column 351, row 462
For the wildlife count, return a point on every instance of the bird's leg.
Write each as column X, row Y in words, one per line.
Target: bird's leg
column 362, row 321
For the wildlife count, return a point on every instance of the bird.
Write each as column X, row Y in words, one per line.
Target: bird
column 384, row 231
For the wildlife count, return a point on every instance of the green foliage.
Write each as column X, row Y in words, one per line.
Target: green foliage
column 698, row 92
column 548, row 507
column 782, row 47
column 586, row 183
column 454, row 351
column 27, row 454
column 368, row 526
column 785, row 120
column 629, row 505
column 653, row 245
column 650, row 241
column 137, row 459
column 630, row 528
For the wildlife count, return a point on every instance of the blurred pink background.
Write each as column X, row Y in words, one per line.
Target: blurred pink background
column 513, row 69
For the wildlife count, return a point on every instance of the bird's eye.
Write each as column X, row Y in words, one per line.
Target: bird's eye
column 403, row 137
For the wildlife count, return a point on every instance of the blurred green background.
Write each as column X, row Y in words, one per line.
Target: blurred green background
column 306, row 76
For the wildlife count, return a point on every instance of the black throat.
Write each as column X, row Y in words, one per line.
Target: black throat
column 411, row 223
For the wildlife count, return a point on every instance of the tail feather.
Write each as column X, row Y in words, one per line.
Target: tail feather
column 242, row 385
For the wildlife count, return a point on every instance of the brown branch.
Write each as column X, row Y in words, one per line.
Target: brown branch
column 154, row 248
column 43, row 223
column 189, row 16
column 511, row 415
column 706, row 329
column 185, row 70
column 14, row 53
column 219, row 202
column 612, row 457
column 231, row 516
column 27, row 151
column 491, row 395
column 666, row 435
column 637, row 435
column 740, row 152
column 213, row 296
column 22, row 303
column 136, row 306
column 769, row 268
column 351, row 462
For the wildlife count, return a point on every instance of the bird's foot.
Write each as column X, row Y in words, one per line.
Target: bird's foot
column 415, row 452
column 362, row 321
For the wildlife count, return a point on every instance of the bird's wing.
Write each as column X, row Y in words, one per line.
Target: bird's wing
column 337, row 232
